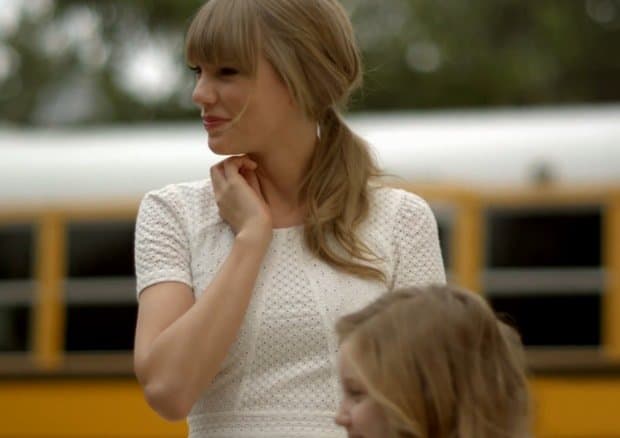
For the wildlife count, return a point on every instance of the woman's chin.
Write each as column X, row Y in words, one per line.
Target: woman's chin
column 219, row 148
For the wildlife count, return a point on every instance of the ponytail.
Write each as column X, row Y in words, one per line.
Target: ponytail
column 337, row 193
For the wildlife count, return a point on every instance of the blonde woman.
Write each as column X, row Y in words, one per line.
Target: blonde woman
column 241, row 276
column 431, row 363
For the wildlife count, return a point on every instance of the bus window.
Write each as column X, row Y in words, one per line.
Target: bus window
column 16, row 243
column 16, row 285
column 14, row 325
column 552, row 318
column 102, row 327
column 444, row 228
column 100, row 287
column 544, row 238
column 543, row 268
column 100, row 249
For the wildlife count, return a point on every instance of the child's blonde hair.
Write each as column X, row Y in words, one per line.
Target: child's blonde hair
column 440, row 364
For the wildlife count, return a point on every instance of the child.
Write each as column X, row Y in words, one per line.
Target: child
column 431, row 363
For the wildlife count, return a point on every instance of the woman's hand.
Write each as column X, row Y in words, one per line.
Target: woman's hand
column 239, row 197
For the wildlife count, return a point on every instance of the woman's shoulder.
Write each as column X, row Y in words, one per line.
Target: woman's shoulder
column 192, row 199
column 186, row 189
column 183, row 191
column 397, row 201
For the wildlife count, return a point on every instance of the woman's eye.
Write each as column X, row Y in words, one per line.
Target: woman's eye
column 228, row 71
column 196, row 70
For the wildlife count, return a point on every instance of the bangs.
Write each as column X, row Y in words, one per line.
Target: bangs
column 224, row 32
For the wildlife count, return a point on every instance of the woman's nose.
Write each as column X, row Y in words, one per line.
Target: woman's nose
column 204, row 93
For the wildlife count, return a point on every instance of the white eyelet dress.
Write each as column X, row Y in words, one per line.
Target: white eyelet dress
column 279, row 378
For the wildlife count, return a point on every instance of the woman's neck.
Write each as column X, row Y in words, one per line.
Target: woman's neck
column 281, row 173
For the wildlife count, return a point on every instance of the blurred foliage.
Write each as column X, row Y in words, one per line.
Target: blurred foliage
column 81, row 62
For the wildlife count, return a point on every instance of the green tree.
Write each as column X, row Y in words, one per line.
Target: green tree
column 83, row 62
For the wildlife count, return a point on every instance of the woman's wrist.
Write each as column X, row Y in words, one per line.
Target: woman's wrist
column 256, row 235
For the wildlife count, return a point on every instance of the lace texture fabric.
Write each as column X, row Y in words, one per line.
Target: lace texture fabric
column 279, row 378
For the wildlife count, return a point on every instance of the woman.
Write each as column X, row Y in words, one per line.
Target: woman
column 241, row 276
column 431, row 363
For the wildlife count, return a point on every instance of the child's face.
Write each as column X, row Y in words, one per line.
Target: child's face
column 359, row 414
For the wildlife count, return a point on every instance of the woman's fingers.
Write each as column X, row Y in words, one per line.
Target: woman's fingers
column 252, row 179
column 247, row 170
column 232, row 166
column 217, row 177
column 230, row 169
column 249, row 163
column 238, row 193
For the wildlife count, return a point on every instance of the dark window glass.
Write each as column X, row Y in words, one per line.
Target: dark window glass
column 553, row 320
column 14, row 323
column 101, row 249
column 445, row 234
column 109, row 327
column 16, row 243
column 553, row 238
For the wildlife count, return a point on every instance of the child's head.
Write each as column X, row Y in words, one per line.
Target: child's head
column 431, row 363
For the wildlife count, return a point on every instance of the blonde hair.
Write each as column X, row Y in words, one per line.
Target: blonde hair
column 311, row 45
column 440, row 364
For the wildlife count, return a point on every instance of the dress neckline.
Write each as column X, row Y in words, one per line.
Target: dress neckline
column 286, row 230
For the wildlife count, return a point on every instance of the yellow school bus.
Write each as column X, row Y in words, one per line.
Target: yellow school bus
column 528, row 208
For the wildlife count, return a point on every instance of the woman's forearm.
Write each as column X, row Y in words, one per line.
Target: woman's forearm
column 183, row 360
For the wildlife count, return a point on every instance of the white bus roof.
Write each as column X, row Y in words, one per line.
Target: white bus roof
column 495, row 147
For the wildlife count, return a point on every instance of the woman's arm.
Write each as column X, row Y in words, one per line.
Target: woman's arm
column 418, row 254
column 180, row 344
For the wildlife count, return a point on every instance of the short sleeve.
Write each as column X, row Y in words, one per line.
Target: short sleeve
column 161, row 245
column 418, row 260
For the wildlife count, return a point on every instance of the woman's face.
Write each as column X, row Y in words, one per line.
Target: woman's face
column 359, row 414
column 222, row 93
